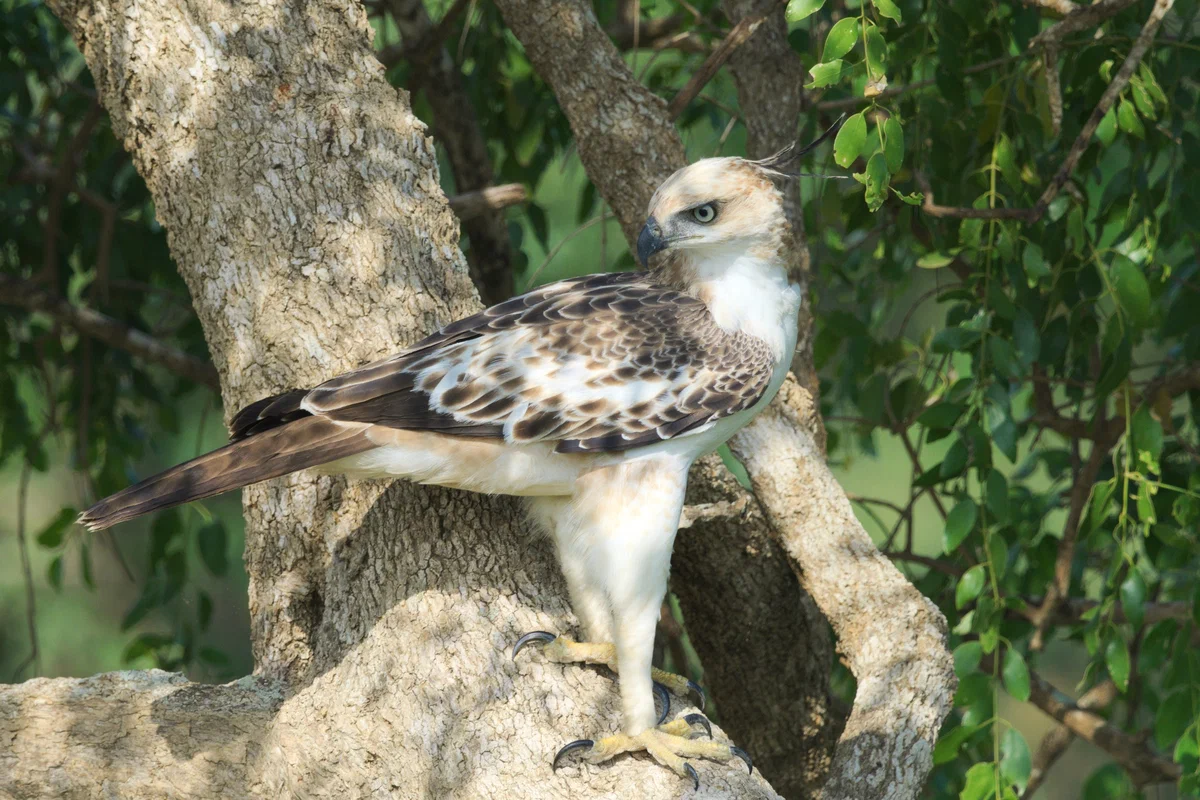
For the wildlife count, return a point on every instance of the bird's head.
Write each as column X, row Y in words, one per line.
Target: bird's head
column 720, row 206
column 712, row 206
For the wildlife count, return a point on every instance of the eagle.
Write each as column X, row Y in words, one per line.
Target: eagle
column 590, row 398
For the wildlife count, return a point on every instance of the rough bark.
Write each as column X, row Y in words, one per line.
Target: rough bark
column 303, row 209
column 436, row 74
column 893, row 638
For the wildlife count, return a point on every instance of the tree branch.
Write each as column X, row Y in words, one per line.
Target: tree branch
column 1118, row 84
column 1081, row 490
column 736, row 37
column 1143, row 765
column 1078, row 18
column 1055, row 743
column 108, row 330
column 469, row 205
column 1119, row 81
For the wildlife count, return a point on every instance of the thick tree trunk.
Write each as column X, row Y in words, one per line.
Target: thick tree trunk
column 303, row 208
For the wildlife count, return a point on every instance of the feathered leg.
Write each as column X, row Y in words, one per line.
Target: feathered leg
column 615, row 538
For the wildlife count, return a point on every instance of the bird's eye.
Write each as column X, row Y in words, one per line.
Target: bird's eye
column 704, row 214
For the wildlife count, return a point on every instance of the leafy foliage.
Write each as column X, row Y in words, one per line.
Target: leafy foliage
column 1040, row 380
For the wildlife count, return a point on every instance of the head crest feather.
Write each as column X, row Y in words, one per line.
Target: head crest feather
column 778, row 163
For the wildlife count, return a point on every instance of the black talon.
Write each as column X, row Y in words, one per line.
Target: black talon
column 567, row 748
column 533, row 636
column 699, row 719
column 665, row 697
column 698, row 692
column 744, row 756
column 695, row 778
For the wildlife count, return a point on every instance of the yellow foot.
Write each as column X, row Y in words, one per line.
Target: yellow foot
column 669, row 744
column 563, row 650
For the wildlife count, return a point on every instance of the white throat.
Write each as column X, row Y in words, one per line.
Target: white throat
column 751, row 295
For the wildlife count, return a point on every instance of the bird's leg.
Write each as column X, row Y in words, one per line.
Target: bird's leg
column 578, row 559
column 564, row 650
column 637, row 590
column 615, row 538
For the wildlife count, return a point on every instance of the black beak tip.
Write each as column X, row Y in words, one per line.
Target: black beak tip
column 650, row 241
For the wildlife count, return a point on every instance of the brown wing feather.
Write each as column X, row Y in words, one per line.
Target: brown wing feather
column 606, row 362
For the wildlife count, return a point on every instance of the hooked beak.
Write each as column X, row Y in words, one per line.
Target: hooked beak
column 650, row 241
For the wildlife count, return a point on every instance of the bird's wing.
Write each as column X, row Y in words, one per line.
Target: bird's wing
column 607, row 362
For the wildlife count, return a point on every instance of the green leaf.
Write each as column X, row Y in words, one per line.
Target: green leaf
column 966, row 658
column 848, row 145
column 1141, row 99
column 1106, row 131
column 1004, row 358
column 877, row 181
column 950, row 743
column 1034, row 262
column 893, row 147
column 913, row 199
column 888, row 8
column 935, row 260
column 970, row 585
column 1015, row 674
column 51, row 536
column 824, row 74
column 980, row 783
column 1133, row 598
column 840, row 40
column 959, row 523
column 1131, row 289
column 1015, row 760
column 1175, row 713
column 1026, row 339
column 800, row 9
column 1116, row 656
column 1147, row 435
column 949, row 340
column 54, row 573
column 876, row 52
column 1100, row 504
column 941, row 415
column 1110, row 782
column 213, row 548
column 1128, row 120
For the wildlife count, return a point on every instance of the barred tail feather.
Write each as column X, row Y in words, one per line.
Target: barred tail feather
column 306, row 442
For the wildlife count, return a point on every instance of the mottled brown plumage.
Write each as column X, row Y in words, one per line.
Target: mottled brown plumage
column 592, row 338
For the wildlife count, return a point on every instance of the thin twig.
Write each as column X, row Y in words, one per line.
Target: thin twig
column 1055, row 743
column 1143, row 765
column 108, row 330
column 1119, row 81
column 471, row 204
column 1118, row 84
column 1079, row 18
column 1058, row 588
column 736, row 38
column 847, row 103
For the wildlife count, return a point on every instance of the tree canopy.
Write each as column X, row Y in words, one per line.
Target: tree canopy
column 1004, row 279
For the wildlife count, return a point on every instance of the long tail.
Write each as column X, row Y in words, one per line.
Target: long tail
column 306, row 442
